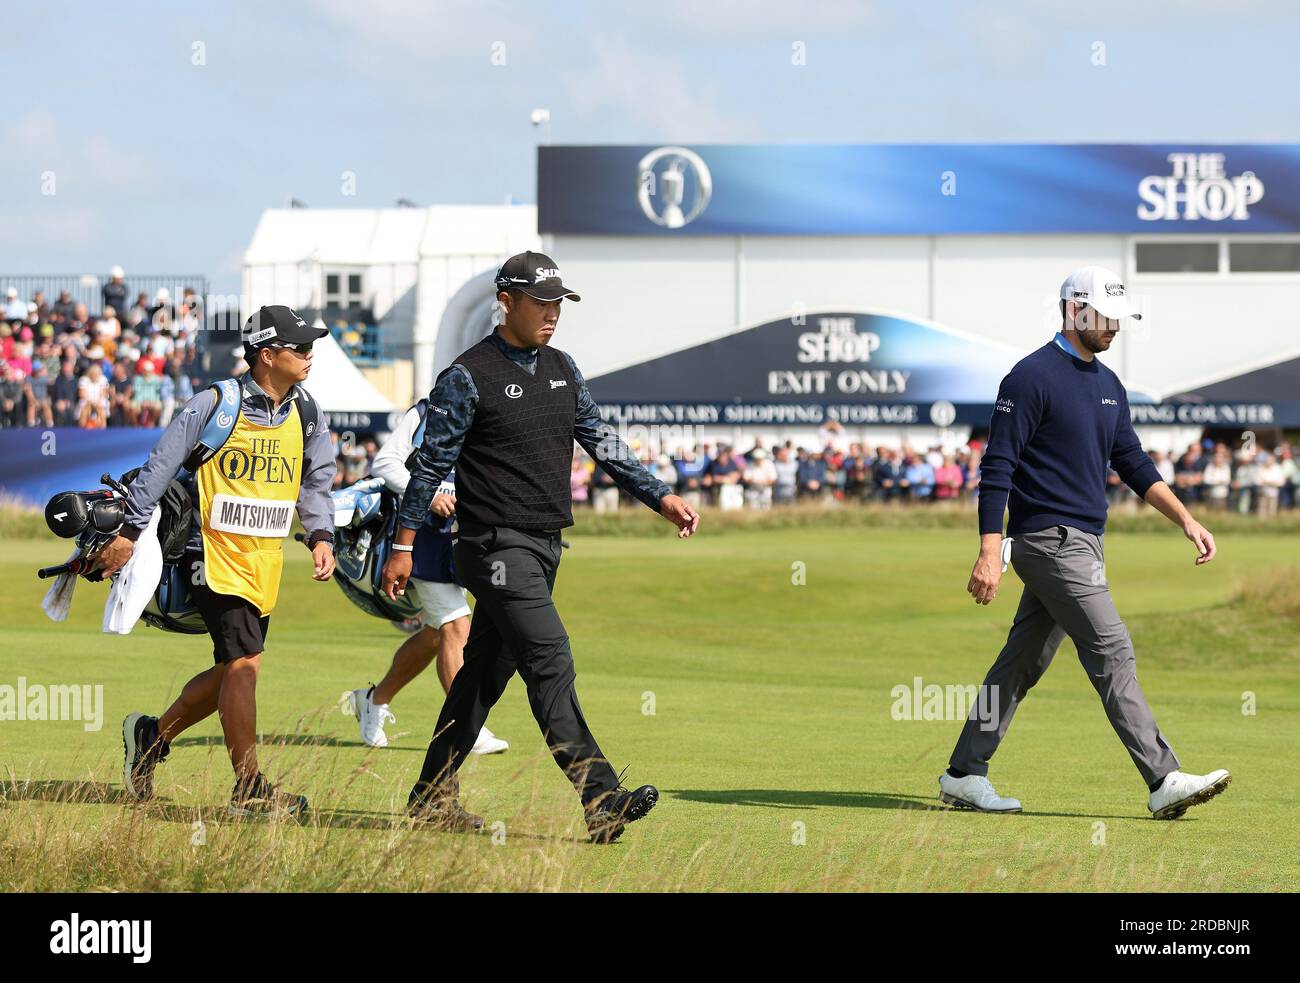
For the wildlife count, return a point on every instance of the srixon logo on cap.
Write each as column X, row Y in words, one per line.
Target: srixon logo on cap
column 542, row 273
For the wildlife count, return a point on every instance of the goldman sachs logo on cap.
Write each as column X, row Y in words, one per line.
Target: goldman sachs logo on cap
column 673, row 186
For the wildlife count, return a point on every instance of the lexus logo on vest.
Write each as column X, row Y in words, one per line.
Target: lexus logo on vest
column 514, row 390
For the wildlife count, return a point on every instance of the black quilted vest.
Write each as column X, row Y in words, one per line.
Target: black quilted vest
column 514, row 466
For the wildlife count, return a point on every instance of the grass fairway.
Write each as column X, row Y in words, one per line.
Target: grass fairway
column 771, row 735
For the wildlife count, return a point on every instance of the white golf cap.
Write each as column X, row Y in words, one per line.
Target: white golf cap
column 1100, row 288
column 117, row 272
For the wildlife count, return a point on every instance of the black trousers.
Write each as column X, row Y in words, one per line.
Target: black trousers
column 511, row 574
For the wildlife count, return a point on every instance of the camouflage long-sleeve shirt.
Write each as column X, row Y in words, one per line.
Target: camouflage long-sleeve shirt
column 452, row 403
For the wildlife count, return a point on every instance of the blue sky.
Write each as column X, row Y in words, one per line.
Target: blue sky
column 164, row 165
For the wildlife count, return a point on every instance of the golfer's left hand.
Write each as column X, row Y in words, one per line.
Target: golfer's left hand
column 1199, row 535
column 676, row 511
column 443, row 506
column 323, row 554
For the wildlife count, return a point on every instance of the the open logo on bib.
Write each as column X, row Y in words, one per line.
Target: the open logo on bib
column 251, row 516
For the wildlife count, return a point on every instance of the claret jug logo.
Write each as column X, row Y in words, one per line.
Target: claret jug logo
column 265, row 464
column 673, row 186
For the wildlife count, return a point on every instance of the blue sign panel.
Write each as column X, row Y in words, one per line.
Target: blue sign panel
column 38, row 464
column 918, row 189
column 855, row 367
column 862, row 369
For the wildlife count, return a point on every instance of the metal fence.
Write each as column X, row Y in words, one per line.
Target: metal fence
column 221, row 316
column 87, row 288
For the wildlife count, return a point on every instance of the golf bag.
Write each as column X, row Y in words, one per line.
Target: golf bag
column 365, row 520
column 93, row 518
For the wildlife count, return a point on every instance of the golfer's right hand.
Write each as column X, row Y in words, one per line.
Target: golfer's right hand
column 676, row 511
column 114, row 556
column 396, row 572
column 986, row 576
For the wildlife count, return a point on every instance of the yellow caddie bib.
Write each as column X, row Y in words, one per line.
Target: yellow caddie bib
column 247, row 495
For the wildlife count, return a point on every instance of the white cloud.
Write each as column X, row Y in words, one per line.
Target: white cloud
column 84, row 161
column 777, row 19
column 76, row 228
column 650, row 89
column 426, row 29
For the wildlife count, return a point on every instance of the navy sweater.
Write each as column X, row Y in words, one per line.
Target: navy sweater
column 1056, row 425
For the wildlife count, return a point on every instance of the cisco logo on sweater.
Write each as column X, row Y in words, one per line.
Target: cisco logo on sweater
column 1004, row 405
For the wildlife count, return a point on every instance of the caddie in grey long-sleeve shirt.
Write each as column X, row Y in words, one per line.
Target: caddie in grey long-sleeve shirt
column 315, row 507
column 274, row 458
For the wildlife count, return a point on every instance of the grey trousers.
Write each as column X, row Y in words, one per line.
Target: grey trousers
column 1065, row 594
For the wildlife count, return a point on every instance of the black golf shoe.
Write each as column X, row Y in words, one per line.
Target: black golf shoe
column 142, row 751
column 438, row 807
column 258, row 797
column 608, row 815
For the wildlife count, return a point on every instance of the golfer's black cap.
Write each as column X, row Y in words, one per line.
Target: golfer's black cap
column 276, row 324
column 535, row 274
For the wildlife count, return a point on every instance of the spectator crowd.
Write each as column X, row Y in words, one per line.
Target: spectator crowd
column 1208, row 475
column 130, row 364
column 1248, row 480
column 762, row 477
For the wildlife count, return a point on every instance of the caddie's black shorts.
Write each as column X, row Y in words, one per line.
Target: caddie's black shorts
column 236, row 626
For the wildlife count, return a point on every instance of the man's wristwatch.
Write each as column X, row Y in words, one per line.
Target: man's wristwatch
column 399, row 548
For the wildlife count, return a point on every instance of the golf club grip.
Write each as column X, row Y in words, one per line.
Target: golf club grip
column 45, row 573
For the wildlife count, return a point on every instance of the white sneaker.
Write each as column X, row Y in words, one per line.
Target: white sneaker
column 974, row 792
column 1179, row 792
column 370, row 717
column 488, row 743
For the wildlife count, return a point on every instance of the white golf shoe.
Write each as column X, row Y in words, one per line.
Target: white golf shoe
column 371, row 717
column 974, row 792
column 1179, row 792
column 488, row 743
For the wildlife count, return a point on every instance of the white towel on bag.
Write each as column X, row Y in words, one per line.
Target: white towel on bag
column 58, row 599
column 136, row 582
